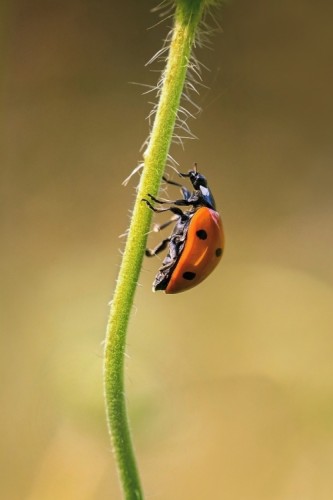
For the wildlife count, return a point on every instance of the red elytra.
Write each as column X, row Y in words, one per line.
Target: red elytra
column 196, row 243
column 200, row 255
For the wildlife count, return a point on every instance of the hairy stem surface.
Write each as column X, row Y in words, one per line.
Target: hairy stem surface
column 187, row 16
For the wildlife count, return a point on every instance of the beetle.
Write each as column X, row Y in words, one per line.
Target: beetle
column 196, row 244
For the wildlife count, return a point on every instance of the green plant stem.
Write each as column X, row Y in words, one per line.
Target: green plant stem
column 187, row 16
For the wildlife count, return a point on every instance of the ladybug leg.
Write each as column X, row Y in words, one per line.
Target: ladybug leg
column 160, row 201
column 186, row 193
column 182, row 202
column 174, row 210
column 173, row 183
column 159, row 248
column 160, row 227
column 178, row 214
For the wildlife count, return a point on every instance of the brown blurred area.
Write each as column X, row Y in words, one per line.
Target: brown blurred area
column 230, row 385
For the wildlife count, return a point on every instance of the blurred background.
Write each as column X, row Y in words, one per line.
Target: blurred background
column 230, row 385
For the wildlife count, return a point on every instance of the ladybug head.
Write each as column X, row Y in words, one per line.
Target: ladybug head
column 199, row 183
column 196, row 178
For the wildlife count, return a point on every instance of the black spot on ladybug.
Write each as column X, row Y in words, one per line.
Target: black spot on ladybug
column 201, row 234
column 218, row 252
column 189, row 276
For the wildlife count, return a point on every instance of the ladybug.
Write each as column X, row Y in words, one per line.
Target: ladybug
column 195, row 246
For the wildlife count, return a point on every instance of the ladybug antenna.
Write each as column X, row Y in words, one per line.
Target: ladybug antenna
column 192, row 171
column 181, row 174
column 174, row 169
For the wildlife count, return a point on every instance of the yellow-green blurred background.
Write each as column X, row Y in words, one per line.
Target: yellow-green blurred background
column 230, row 385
